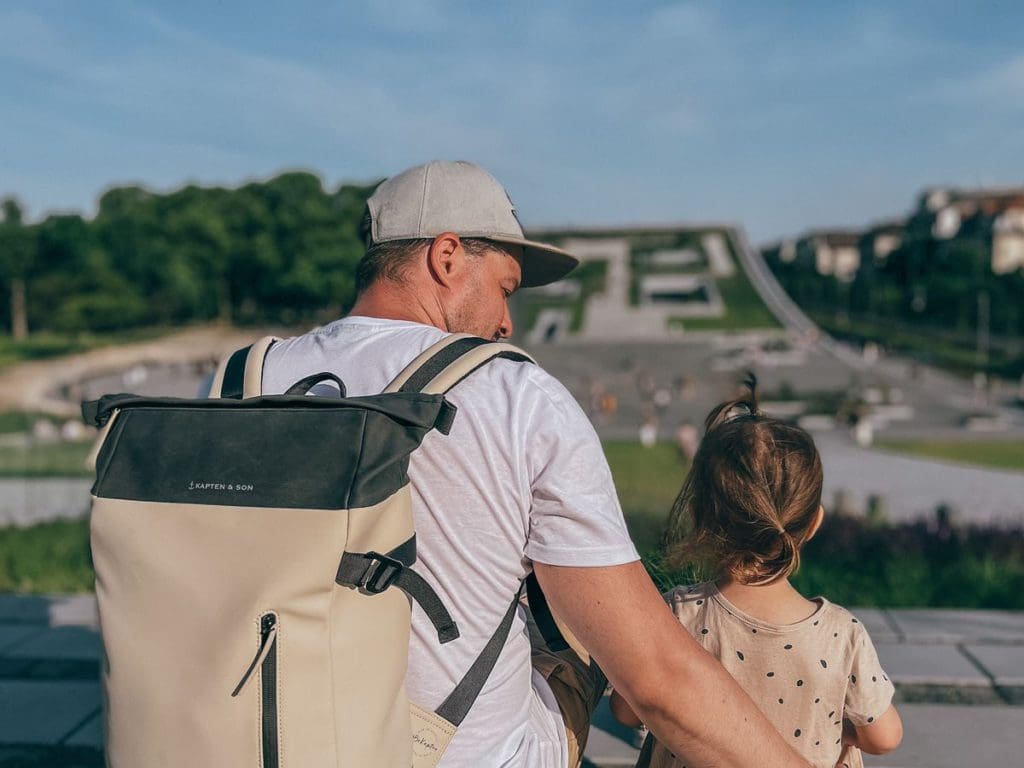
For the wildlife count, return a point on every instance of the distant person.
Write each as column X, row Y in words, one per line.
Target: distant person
column 686, row 388
column 609, row 406
column 687, row 440
column 751, row 501
column 662, row 399
column 649, row 430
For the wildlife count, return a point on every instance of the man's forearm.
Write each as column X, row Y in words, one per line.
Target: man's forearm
column 687, row 699
column 701, row 714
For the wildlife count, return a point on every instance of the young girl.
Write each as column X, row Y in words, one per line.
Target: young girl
column 751, row 501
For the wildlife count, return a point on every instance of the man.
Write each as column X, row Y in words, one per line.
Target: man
column 520, row 484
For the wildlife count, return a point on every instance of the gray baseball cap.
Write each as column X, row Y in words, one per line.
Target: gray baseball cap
column 463, row 198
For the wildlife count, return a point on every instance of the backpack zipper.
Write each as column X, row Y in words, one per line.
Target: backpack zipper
column 266, row 660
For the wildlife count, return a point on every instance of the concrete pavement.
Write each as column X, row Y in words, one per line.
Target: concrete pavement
column 959, row 676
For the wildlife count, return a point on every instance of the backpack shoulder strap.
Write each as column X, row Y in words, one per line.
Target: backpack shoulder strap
column 240, row 374
column 438, row 369
column 446, row 363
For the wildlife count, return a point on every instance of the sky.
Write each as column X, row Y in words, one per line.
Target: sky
column 776, row 116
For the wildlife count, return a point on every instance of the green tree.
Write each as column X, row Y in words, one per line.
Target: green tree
column 16, row 252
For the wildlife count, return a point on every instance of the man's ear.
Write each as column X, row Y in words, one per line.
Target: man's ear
column 818, row 520
column 446, row 258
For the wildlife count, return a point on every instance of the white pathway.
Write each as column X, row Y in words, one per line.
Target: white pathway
column 913, row 487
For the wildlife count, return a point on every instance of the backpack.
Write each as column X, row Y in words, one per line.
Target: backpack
column 254, row 578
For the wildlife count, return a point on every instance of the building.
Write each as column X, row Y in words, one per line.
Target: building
column 990, row 218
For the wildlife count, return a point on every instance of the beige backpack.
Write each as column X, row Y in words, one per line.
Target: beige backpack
column 253, row 571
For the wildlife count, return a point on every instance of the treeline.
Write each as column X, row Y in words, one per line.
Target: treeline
column 922, row 283
column 283, row 250
column 936, row 300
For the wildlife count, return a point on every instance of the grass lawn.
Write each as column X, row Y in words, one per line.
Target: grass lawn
column 919, row 344
column 744, row 309
column 647, row 480
column 46, row 558
column 22, row 421
column 1001, row 454
column 46, row 460
column 39, row 346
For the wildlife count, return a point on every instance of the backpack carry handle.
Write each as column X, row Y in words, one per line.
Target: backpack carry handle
column 240, row 375
column 302, row 386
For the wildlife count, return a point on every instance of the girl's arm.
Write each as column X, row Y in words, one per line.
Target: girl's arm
column 881, row 736
column 622, row 711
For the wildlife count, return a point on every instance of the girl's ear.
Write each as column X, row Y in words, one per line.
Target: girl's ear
column 818, row 519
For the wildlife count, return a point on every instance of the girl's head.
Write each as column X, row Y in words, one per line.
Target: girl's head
column 752, row 498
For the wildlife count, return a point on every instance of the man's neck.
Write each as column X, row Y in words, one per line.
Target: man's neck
column 391, row 302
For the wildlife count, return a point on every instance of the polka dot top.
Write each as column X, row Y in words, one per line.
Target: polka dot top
column 805, row 677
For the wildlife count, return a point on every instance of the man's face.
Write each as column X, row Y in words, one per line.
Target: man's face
column 480, row 305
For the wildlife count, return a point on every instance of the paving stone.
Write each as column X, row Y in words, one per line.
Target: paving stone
column 877, row 625
column 13, row 634
column 17, row 668
column 90, row 734
column 25, row 609
column 48, row 757
column 60, row 643
column 56, row 611
column 1004, row 662
column 610, row 744
column 942, row 736
column 934, row 736
column 921, row 664
column 965, row 695
column 949, row 626
column 44, row 712
column 75, row 611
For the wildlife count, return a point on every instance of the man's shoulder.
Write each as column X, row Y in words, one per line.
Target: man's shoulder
column 518, row 380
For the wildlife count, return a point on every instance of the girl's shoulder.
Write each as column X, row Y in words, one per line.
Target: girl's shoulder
column 843, row 623
column 689, row 598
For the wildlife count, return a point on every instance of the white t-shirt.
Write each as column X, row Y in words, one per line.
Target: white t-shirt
column 521, row 478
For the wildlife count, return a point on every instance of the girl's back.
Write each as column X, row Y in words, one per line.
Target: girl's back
column 804, row 676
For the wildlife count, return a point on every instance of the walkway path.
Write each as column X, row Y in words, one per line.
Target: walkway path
column 914, row 487
column 32, row 386
column 960, row 677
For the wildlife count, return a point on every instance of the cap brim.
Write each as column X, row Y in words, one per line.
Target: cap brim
column 542, row 263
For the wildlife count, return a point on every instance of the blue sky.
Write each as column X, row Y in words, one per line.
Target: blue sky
column 779, row 116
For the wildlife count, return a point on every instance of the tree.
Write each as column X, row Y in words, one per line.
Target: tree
column 15, row 262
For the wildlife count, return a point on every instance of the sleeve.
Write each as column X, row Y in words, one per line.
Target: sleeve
column 869, row 691
column 575, row 517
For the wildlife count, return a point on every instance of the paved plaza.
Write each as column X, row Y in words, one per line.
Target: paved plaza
column 959, row 675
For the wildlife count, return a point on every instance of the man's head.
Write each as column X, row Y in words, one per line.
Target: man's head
column 448, row 234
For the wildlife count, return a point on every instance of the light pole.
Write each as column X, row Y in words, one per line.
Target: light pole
column 983, row 331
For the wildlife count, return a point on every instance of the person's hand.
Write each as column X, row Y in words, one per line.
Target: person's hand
column 846, row 759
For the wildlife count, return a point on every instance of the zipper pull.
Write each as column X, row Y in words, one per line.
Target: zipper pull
column 268, row 633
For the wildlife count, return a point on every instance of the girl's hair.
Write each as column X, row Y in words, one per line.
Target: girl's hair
column 751, row 498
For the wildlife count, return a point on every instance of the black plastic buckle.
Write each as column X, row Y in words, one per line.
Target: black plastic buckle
column 381, row 573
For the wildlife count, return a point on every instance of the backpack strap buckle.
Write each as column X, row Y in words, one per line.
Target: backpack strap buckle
column 372, row 573
column 381, row 573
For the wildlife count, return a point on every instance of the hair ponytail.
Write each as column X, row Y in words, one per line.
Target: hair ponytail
column 751, row 498
column 743, row 406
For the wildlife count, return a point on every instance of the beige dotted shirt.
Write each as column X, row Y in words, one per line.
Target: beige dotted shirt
column 805, row 677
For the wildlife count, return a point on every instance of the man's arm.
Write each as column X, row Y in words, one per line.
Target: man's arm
column 686, row 698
